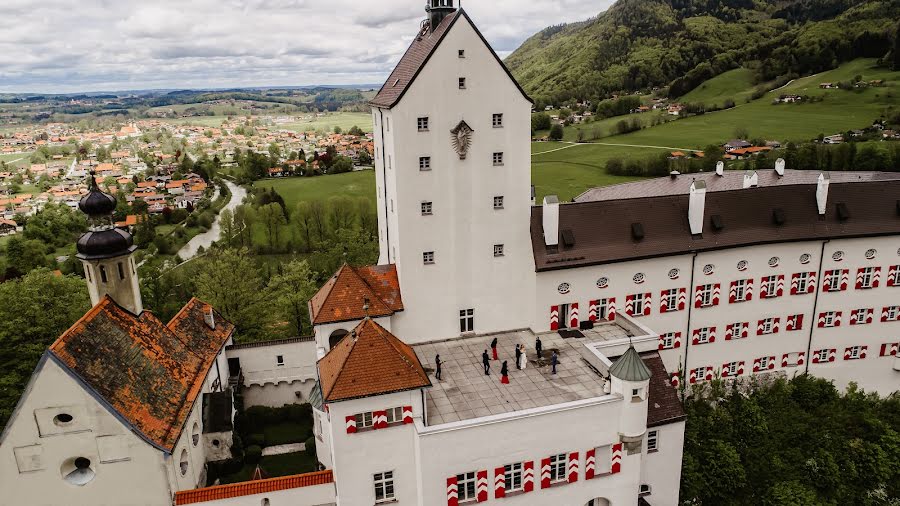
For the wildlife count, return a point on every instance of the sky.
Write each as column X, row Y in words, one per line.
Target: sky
column 69, row 46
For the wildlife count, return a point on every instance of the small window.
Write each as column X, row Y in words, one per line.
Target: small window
column 498, row 250
column 424, row 163
column 363, row 420
column 498, row 202
column 513, row 475
column 703, row 335
column 121, row 271
column 763, row 363
column 740, row 290
column 195, row 434
column 428, row 257
column 854, row 352
column 861, row 316
column 667, row 340
column 103, row 274
column 767, row 326
column 670, row 296
column 770, row 286
column 466, row 320
column 865, row 278
column 637, row 394
column 644, row 490
column 497, row 121
column 891, row 313
column 498, row 159
column 558, row 467
column 829, row 319
column 652, row 440
column 706, row 295
column 384, row 487
column 426, row 208
column 802, row 280
column 639, row 302
column 387, row 121
column 87, row 272
column 462, row 53
column 279, row 360
column 394, row 415
column 466, row 485
column 833, row 280
column 462, row 83
column 183, row 464
column 422, row 124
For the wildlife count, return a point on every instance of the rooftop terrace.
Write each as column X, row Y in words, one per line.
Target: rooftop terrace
column 465, row 392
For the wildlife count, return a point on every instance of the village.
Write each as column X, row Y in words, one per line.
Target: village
column 143, row 162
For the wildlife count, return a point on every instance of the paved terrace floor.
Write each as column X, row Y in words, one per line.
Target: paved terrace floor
column 464, row 392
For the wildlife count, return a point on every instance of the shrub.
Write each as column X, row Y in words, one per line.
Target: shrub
column 256, row 440
column 556, row 133
column 253, row 455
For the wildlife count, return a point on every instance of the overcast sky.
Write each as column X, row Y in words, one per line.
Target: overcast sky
column 102, row 45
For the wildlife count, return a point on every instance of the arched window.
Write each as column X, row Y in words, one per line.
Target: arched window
column 121, row 271
column 184, row 462
column 336, row 337
column 103, row 274
column 195, row 434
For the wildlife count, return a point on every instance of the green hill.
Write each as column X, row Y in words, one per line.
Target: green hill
column 639, row 44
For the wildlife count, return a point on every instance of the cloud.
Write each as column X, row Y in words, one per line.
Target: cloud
column 49, row 46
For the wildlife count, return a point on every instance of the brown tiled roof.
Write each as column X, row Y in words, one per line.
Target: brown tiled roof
column 149, row 373
column 343, row 296
column 602, row 230
column 418, row 54
column 266, row 486
column 664, row 406
column 730, row 180
column 412, row 63
column 370, row 361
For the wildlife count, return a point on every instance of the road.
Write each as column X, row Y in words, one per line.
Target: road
column 215, row 232
column 573, row 144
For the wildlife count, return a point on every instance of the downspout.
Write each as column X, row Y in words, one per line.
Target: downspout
column 387, row 223
column 815, row 311
column 690, row 308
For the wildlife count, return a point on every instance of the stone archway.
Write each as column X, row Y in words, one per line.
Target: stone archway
column 336, row 337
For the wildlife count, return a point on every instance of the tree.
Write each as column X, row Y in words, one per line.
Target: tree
column 230, row 282
column 34, row 311
column 24, row 255
column 741, row 133
column 303, row 222
column 556, row 132
column 355, row 130
column 540, row 121
column 271, row 216
column 290, row 291
column 338, row 130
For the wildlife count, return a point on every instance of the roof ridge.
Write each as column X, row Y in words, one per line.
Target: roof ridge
column 386, row 335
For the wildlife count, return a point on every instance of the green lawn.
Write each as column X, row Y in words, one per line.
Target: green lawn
column 839, row 111
column 297, row 189
column 345, row 120
column 569, row 172
column 735, row 84
column 286, row 433
column 17, row 159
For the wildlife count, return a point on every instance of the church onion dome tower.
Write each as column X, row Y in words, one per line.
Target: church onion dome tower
column 437, row 10
column 106, row 252
column 630, row 367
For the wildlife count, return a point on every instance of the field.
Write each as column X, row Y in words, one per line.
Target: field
column 297, row 189
column 839, row 111
column 345, row 120
column 17, row 159
column 575, row 168
column 735, row 84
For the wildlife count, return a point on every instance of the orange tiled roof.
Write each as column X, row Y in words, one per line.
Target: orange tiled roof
column 343, row 296
column 370, row 361
column 253, row 487
column 150, row 373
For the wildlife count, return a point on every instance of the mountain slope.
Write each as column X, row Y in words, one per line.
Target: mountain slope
column 644, row 43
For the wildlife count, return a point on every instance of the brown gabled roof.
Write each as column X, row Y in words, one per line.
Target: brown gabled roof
column 149, row 373
column 664, row 406
column 266, row 486
column 343, row 296
column 370, row 361
column 418, row 54
column 602, row 231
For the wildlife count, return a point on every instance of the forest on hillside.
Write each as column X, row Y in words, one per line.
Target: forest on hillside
column 645, row 44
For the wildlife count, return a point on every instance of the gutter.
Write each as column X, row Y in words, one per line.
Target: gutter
column 815, row 311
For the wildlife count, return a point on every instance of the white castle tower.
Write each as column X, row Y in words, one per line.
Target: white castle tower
column 453, row 163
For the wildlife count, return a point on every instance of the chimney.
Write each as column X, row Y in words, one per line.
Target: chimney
column 551, row 220
column 696, row 207
column 779, row 167
column 720, row 168
column 210, row 318
column 674, row 174
column 751, row 180
column 822, row 192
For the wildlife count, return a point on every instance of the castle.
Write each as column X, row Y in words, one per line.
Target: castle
column 632, row 290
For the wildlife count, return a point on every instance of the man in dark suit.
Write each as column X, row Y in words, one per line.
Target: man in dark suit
column 538, row 346
column 486, row 360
